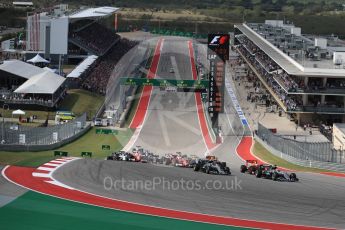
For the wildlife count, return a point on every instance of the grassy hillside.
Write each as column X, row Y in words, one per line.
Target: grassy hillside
column 90, row 142
column 314, row 16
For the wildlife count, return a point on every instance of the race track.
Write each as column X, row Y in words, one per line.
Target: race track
column 171, row 125
column 315, row 200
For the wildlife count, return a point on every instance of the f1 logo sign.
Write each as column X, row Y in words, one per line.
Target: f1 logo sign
column 215, row 40
column 219, row 40
column 218, row 46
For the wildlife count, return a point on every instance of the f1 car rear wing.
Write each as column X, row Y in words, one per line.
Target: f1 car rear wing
column 211, row 158
column 251, row 162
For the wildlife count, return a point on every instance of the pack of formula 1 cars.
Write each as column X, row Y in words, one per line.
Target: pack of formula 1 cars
column 138, row 154
column 267, row 171
column 178, row 160
column 209, row 165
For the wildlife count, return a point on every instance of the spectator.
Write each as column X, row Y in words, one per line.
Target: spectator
column 97, row 79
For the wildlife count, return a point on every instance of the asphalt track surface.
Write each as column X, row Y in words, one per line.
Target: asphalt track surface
column 171, row 123
column 316, row 200
column 8, row 191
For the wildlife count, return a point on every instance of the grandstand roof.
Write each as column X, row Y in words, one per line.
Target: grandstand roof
column 283, row 60
column 44, row 83
column 84, row 65
column 40, row 81
column 23, row 3
column 21, row 69
column 94, row 12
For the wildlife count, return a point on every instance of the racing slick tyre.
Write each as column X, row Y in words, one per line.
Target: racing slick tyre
column 196, row 167
column 223, row 164
column 293, row 177
column 167, row 161
column 207, row 170
column 251, row 169
column 275, row 176
column 258, row 173
column 227, row 169
column 243, row 168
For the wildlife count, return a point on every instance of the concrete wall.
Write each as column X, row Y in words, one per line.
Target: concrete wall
column 17, row 148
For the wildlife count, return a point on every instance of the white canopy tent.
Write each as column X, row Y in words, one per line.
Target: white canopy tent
column 37, row 59
column 39, row 81
column 43, row 83
column 20, row 68
column 18, row 112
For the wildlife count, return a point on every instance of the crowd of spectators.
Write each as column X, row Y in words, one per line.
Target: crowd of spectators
column 287, row 81
column 264, row 67
column 290, row 83
column 335, row 83
column 315, row 84
column 247, row 44
column 269, row 65
column 266, row 62
column 96, row 37
column 97, row 79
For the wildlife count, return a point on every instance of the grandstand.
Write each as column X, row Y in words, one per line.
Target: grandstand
column 303, row 74
column 80, row 38
column 72, row 35
column 97, row 78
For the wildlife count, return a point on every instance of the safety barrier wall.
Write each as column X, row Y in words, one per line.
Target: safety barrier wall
column 306, row 163
column 140, row 55
column 305, row 151
column 23, row 138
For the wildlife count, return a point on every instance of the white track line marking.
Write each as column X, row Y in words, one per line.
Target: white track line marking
column 45, row 169
column 46, row 175
column 51, row 164
column 57, row 183
column 57, row 162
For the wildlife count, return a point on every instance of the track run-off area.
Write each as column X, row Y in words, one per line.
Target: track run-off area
column 171, row 122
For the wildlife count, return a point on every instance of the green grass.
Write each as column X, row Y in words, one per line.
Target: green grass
column 79, row 101
column 90, row 142
column 261, row 152
column 41, row 115
column 36, row 211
